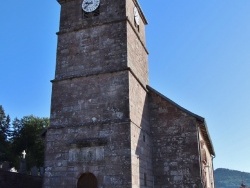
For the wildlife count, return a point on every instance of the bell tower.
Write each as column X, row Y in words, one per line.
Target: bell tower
column 99, row 127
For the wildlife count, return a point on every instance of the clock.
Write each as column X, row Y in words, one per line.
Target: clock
column 90, row 5
column 136, row 16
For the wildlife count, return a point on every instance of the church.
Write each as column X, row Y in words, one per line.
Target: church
column 108, row 127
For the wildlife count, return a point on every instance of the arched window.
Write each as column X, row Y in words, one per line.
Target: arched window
column 87, row 180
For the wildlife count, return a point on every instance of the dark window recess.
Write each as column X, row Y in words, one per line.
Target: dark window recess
column 145, row 179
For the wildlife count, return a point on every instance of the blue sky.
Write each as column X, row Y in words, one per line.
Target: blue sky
column 199, row 57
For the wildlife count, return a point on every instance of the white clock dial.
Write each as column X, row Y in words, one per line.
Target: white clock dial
column 90, row 5
column 137, row 16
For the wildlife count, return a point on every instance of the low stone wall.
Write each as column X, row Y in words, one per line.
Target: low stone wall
column 16, row 180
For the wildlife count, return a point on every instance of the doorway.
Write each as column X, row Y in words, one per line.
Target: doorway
column 87, row 180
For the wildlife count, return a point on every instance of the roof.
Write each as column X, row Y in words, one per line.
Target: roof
column 203, row 125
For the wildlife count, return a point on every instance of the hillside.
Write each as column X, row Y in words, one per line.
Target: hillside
column 225, row 178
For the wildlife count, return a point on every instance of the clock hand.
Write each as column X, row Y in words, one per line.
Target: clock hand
column 87, row 4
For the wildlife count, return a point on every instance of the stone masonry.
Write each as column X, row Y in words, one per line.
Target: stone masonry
column 106, row 123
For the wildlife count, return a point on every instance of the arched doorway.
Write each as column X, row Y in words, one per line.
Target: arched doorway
column 87, row 180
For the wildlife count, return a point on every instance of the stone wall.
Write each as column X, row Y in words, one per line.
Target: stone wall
column 16, row 180
column 102, row 149
column 176, row 159
column 93, row 50
column 206, row 163
column 72, row 17
column 141, row 145
column 90, row 100
column 137, row 54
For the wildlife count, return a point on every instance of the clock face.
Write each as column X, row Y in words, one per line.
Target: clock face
column 90, row 5
column 137, row 16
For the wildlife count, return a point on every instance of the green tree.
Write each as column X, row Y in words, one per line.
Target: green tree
column 4, row 135
column 26, row 136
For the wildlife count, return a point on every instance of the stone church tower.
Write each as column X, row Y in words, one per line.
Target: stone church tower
column 108, row 128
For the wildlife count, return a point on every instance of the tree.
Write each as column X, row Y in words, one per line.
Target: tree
column 4, row 135
column 22, row 134
column 26, row 136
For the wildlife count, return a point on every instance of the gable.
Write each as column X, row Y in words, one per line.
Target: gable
column 180, row 110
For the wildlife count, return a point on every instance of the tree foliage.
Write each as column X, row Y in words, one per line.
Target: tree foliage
column 24, row 134
column 4, row 134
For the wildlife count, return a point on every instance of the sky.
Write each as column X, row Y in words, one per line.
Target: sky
column 199, row 57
